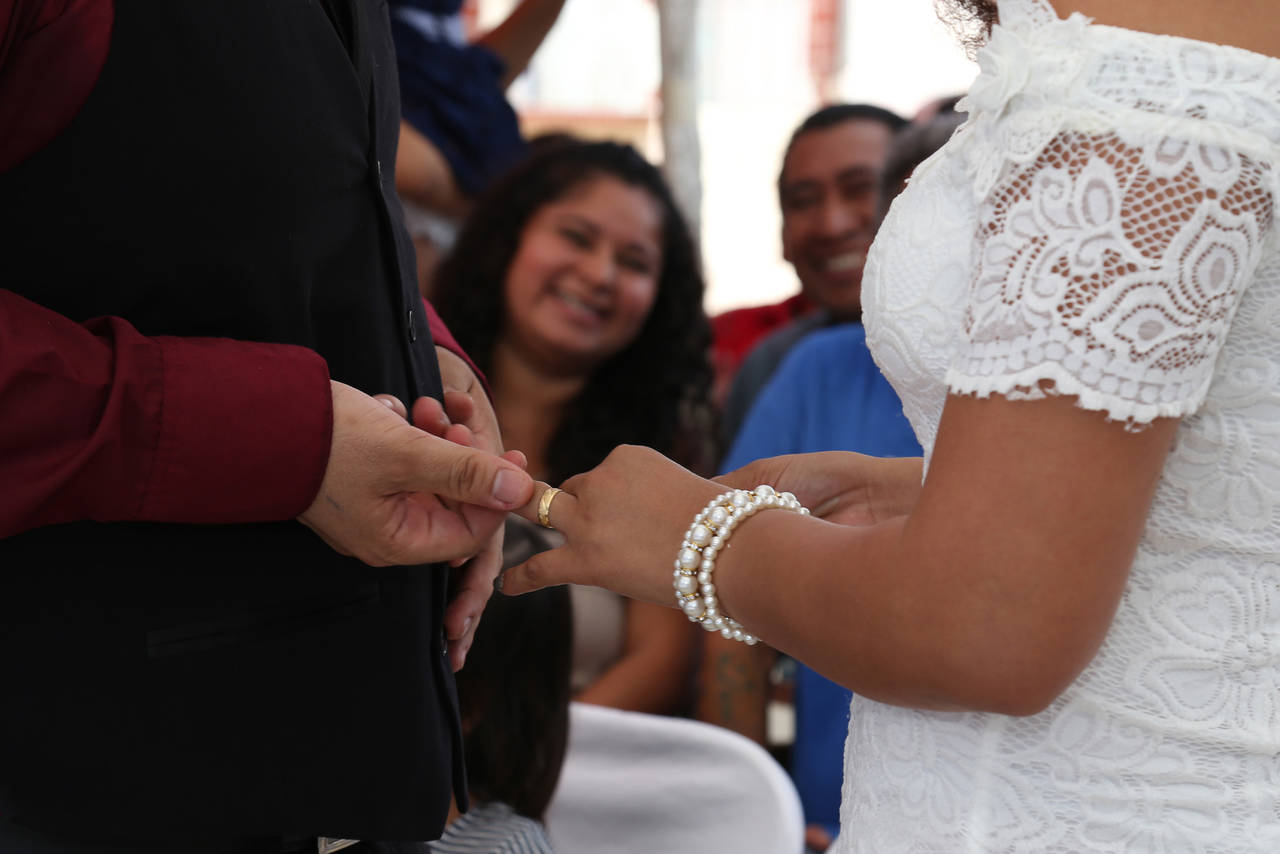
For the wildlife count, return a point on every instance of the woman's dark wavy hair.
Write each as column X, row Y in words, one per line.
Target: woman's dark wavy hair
column 656, row 391
column 514, row 699
column 970, row 20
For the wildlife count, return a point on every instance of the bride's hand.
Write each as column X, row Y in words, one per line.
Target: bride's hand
column 839, row 486
column 623, row 523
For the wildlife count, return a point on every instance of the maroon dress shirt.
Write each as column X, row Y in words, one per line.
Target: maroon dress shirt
column 102, row 423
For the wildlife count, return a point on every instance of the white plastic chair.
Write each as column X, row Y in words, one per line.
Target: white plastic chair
column 646, row 784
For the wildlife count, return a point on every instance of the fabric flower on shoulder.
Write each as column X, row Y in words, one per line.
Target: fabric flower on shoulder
column 1015, row 104
column 1004, row 65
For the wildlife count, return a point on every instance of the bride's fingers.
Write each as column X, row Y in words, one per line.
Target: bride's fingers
column 561, row 508
column 545, row 569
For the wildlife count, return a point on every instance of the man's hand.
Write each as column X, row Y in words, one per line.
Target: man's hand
column 467, row 419
column 465, row 402
column 394, row 494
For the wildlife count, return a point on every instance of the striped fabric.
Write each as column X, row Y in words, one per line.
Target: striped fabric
column 493, row 829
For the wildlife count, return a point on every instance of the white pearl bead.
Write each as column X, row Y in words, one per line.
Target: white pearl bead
column 707, row 535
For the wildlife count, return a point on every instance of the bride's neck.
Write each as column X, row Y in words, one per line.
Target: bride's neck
column 1249, row 24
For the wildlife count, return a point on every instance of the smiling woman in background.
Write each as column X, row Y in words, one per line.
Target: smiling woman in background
column 575, row 286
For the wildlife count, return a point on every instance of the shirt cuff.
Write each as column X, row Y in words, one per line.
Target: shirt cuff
column 245, row 432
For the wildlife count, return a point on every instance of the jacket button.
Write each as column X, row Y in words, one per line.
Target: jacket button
column 377, row 169
column 413, row 333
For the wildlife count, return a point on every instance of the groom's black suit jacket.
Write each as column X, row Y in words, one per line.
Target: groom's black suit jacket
column 231, row 174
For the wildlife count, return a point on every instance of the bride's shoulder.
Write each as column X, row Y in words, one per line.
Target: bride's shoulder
column 1249, row 24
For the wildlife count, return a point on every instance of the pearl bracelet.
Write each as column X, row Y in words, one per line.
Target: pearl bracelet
column 710, row 531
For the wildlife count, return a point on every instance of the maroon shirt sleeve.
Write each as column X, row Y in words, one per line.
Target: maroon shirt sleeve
column 103, row 423
column 441, row 335
column 51, row 52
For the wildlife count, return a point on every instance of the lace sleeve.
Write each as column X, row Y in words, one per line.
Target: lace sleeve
column 1110, row 270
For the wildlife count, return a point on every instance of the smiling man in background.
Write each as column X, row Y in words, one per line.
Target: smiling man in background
column 828, row 190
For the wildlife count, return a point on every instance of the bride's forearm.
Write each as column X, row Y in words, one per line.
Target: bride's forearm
column 992, row 594
column 842, row 600
column 874, row 611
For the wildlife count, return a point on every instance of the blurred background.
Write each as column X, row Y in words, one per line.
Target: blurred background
column 712, row 88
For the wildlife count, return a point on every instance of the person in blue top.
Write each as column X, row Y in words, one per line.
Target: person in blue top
column 829, row 395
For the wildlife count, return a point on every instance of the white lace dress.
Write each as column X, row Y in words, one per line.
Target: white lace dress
column 1105, row 221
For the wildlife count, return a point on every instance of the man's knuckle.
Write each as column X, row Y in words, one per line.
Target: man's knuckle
column 466, row 476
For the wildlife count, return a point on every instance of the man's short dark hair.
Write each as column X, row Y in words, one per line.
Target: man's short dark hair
column 836, row 114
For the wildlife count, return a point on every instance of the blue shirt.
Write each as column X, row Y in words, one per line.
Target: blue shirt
column 451, row 92
column 827, row 395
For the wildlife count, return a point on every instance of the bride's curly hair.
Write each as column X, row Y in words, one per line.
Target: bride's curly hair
column 970, row 20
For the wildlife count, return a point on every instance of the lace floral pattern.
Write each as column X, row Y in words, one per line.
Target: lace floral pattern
column 1103, row 226
column 1113, row 270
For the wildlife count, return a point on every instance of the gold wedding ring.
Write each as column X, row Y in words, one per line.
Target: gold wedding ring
column 544, row 506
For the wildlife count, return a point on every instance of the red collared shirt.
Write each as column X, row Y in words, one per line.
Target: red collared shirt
column 735, row 332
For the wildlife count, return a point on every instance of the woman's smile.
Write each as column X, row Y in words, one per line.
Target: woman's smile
column 585, row 274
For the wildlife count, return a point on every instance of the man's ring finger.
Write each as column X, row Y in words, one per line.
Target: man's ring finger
column 544, row 506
